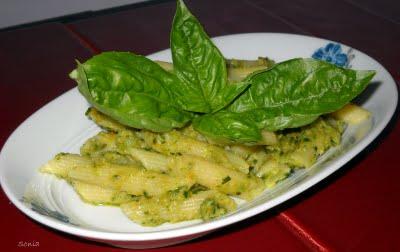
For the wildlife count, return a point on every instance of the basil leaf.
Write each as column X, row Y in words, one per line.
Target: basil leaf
column 302, row 86
column 230, row 127
column 132, row 90
column 278, row 122
column 225, row 126
column 291, row 94
column 200, row 66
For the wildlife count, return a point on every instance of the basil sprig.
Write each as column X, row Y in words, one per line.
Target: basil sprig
column 137, row 92
column 289, row 95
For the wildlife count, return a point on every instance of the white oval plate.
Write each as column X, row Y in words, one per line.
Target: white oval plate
column 61, row 126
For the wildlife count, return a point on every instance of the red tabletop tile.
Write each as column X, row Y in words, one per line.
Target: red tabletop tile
column 34, row 70
column 133, row 30
column 142, row 30
column 358, row 207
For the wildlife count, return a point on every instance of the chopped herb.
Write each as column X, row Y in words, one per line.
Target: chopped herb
column 252, row 170
column 146, row 195
column 175, row 153
column 210, row 209
column 226, row 180
column 177, row 190
column 161, row 139
column 134, row 197
column 60, row 155
column 197, row 188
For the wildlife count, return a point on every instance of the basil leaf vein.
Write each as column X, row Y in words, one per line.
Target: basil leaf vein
column 131, row 89
column 200, row 66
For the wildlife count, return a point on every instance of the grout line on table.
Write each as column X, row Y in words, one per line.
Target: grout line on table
column 289, row 222
column 86, row 14
column 82, row 39
column 359, row 6
column 306, row 236
column 278, row 17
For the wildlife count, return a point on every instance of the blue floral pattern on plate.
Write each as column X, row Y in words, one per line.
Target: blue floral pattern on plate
column 333, row 54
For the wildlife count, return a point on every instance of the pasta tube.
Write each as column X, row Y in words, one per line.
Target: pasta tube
column 237, row 69
column 176, row 206
column 129, row 178
column 98, row 195
column 351, row 114
column 173, row 143
column 104, row 121
column 216, row 176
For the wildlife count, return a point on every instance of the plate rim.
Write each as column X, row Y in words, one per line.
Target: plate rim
column 214, row 224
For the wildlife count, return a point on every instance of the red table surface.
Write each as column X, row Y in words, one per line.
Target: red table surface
column 356, row 209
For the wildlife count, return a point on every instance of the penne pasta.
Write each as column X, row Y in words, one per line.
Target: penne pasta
column 174, row 143
column 352, row 114
column 217, row 177
column 237, row 69
column 104, row 141
column 150, row 160
column 179, row 205
column 98, row 195
column 180, row 175
column 104, row 121
column 131, row 179
column 273, row 171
